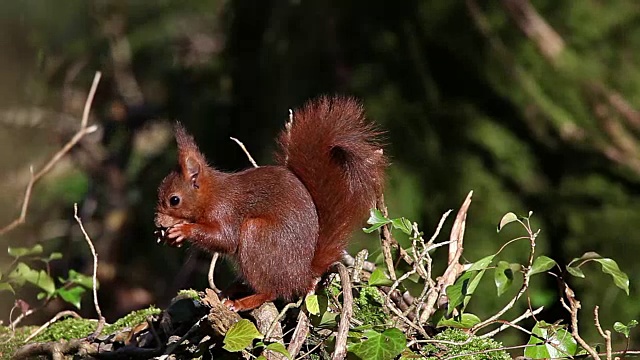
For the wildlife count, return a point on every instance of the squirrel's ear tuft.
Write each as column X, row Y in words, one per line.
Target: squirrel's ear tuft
column 183, row 138
column 190, row 158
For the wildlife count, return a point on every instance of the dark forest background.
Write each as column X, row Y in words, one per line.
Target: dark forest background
column 533, row 105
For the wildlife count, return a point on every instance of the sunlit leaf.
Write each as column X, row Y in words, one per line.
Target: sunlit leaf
column 279, row 348
column 624, row 329
column 482, row 263
column 459, row 290
column 575, row 271
column 557, row 343
column 503, row 277
column 379, row 278
column 589, row 255
column 72, row 295
column 542, row 264
column 23, row 251
column 311, row 302
column 610, row 267
column 80, row 279
column 240, row 336
column 506, row 219
column 466, row 321
column 473, row 284
column 376, row 220
column 385, row 346
column 402, row 224
column 54, row 256
column 23, row 273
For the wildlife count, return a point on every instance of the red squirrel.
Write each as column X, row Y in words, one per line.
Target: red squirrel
column 284, row 224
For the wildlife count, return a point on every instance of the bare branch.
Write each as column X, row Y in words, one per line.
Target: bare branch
column 212, row 268
column 347, row 310
column 253, row 162
column 101, row 319
column 84, row 130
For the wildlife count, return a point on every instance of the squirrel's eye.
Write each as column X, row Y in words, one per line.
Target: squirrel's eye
column 174, row 200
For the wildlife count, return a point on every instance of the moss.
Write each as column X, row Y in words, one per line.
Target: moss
column 10, row 342
column 368, row 307
column 475, row 346
column 189, row 293
column 69, row 328
column 132, row 319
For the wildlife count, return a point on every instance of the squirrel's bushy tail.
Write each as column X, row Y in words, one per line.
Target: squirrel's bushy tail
column 337, row 155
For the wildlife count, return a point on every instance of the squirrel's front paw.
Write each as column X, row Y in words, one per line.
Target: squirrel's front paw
column 177, row 234
column 230, row 304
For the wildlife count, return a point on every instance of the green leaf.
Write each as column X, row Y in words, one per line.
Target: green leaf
column 80, row 279
column 542, row 264
column 41, row 295
column 54, row 256
column 402, row 224
column 467, row 321
column 610, row 267
column 311, row 302
column 240, row 336
column 22, row 251
column 379, row 278
column 503, row 277
column 385, row 346
column 506, row 219
column 482, row 263
column 459, row 290
column 261, row 357
column 23, row 273
column 6, row 287
column 73, row 295
column 472, row 288
column 557, row 343
column 624, row 329
column 575, row 271
column 279, row 348
column 328, row 320
column 376, row 220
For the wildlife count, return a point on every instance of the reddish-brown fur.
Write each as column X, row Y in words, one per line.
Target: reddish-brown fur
column 284, row 224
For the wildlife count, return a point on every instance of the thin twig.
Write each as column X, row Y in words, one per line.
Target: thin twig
column 253, row 162
column 573, row 307
column 212, row 268
column 345, row 317
column 454, row 268
column 84, row 130
column 385, row 240
column 281, row 315
column 525, row 282
column 605, row 334
column 48, row 323
column 527, row 314
column 175, row 345
column 101, row 319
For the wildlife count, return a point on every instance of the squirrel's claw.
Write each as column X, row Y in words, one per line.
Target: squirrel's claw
column 176, row 235
column 230, row 304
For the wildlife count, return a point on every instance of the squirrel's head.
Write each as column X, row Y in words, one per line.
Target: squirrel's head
column 180, row 193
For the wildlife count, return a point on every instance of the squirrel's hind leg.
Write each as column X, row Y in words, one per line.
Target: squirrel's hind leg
column 250, row 302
